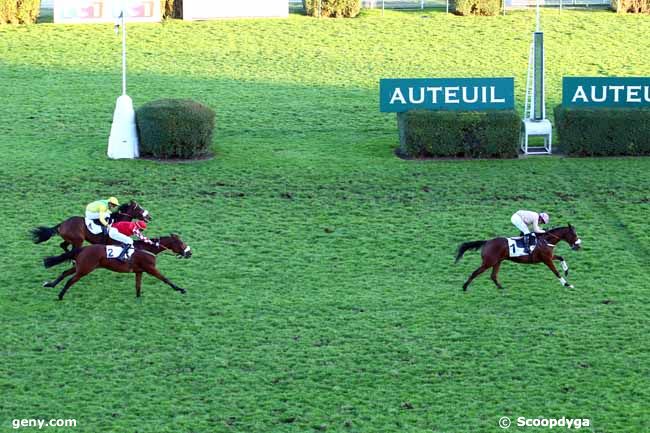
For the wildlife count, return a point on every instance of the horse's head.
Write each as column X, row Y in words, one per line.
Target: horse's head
column 571, row 236
column 135, row 211
column 176, row 244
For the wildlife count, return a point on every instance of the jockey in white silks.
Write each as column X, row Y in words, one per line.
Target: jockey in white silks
column 528, row 221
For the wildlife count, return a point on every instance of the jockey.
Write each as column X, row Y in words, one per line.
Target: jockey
column 128, row 229
column 523, row 219
column 96, row 217
column 97, row 211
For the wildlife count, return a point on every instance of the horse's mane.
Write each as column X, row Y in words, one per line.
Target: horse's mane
column 123, row 207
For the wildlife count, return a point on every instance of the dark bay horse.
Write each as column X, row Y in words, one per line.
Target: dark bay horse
column 92, row 257
column 494, row 251
column 74, row 231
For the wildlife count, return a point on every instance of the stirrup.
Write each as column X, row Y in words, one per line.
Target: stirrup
column 125, row 250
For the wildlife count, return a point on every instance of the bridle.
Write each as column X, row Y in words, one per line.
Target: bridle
column 559, row 239
column 166, row 249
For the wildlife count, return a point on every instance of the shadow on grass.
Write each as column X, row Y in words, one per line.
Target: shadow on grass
column 262, row 117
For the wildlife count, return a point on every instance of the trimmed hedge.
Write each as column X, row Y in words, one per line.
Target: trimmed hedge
column 478, row 7
column 603, row 131
column 332, row 8
column 19, row 11
column 631, row 6
column 175, row 128
column 474, row 134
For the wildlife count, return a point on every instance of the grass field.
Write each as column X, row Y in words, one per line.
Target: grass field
column 322, row 290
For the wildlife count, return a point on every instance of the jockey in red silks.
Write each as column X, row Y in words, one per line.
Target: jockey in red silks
column 128, row 229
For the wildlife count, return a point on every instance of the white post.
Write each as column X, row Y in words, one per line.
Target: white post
column 123, row 140
column 537, row 28
column 123, row 54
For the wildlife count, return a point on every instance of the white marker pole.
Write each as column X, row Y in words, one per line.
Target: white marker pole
column 123, row 141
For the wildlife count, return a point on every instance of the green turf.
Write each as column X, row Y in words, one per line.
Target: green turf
column 322, row 291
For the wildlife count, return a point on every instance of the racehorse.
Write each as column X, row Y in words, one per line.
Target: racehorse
column 74, row 230
column 91, row 257
column 496, row 251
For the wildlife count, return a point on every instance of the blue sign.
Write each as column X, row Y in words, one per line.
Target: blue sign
column 467, row 94
column 619, row 92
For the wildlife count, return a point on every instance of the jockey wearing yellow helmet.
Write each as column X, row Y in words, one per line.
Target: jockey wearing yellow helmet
column 98, row 211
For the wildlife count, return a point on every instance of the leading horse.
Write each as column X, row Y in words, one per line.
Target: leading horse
column 496, row 250
column 92, row 257
column 74, row 230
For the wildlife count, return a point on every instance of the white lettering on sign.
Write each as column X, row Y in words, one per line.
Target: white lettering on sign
column 617, row 93
column 447, row 95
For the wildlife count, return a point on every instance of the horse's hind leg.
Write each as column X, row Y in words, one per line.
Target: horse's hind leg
column 60, row 277
column 495, row 273
column 65, row 245
column 76, row 277
column 475, row 274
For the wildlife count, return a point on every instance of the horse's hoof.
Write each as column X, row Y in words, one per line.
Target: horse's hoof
column 47, row 284
column 60, row 298
column 183, row 291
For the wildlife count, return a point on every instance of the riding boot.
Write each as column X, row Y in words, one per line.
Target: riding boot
column 527, row 243
column 122, row 256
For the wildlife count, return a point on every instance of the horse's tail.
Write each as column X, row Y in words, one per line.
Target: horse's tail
column 473, row 245
column 42, row 233
column 48, row 262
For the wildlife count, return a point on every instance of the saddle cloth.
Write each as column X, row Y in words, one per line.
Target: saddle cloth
column 113, row 251
column 516, row 247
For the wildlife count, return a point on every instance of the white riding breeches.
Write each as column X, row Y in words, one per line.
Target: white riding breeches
column 90, row 224
column 114, row 234
column 520, row 224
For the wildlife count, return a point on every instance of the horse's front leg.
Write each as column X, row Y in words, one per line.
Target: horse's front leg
column 156, row 273
column 548, row 261
column 138, row 284
column 565, row 267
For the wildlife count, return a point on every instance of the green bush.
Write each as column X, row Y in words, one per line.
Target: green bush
column 477, row 7
column 631, row 6
column 171, row 9
column 19, row 11
column 603, row 131
column 474, row 134
column 175, row 128
column 332, row 8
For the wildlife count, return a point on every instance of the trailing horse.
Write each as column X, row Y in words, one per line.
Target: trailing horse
column 92, row 257
column 74, row 230
column 495, row 251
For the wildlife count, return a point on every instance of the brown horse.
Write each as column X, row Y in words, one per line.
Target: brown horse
column 91, row 257
column 74, row 230
column 496, row 250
